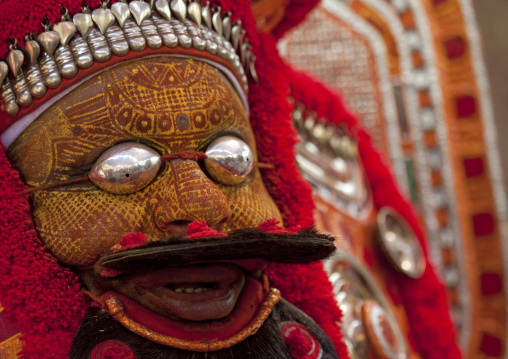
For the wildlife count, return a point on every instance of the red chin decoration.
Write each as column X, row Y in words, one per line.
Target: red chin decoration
column 250, row 312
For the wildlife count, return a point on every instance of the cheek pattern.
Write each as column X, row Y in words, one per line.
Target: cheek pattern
column 250, row 205
column 77, row 226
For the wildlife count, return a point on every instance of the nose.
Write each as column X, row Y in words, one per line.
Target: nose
column 185, row 195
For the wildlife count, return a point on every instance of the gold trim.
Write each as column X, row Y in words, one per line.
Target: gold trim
column 115, row 308
column 10, row 348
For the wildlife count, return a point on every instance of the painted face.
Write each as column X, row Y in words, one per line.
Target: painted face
column 169, row 105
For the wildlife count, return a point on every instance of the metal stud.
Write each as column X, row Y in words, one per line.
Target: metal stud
column 179, row 8
column 211, row 46
column 381, row 331
column 226, row 26
column 35, row 82
column 103, row 17
column 15, row 60
column 140, row 10
column 194, row 11
column 116, row 40
column 121, row 12
column 169, row 38
column 197, row 40
column 181, row 32
column 162, row 7
column 236, row 35
column 134, row 36
column 244, row 49
column 400, row 244
column 65, row 62
column 65, row 30
column 32, row 50
column 149, row 30
column 252, row 69
column 21, row 90
column 83, row 22
column 81, row 52
column 217, row 21
column 4, row 71
column 49, row 70
column 9, row 103
column 206, row 15
column 99, row 46
column 49, row 40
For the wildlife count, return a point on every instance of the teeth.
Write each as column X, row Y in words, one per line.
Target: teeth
column 192, row 290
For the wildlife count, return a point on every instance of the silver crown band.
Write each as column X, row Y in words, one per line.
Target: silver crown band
column 87, row 37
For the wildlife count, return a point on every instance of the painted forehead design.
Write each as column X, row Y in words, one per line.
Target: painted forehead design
column 60, row 59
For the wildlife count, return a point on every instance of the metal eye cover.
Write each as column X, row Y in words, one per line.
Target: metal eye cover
column 230, row 160
column 125, row 168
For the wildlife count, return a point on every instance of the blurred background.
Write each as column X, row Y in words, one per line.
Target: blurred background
column 429, row 80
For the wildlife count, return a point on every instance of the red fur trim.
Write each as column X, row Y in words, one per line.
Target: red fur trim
column 424, row 299
column 307, row 287
column 296, row 11
column 43, row 296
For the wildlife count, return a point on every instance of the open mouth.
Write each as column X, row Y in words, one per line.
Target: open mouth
column 201, row 294
column 196, row 292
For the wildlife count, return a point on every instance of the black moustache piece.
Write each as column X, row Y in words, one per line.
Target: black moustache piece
column 303, row 247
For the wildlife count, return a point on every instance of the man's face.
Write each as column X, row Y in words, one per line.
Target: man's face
column 167, row 104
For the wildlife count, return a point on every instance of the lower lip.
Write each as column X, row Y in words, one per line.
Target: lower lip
column 152, row 290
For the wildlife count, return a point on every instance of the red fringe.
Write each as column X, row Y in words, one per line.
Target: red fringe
column 424, row 299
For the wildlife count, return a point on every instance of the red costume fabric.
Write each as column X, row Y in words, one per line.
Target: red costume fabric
column 44, row 297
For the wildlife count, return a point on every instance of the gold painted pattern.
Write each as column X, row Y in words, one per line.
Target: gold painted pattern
column 10, row 348
column 169, row 104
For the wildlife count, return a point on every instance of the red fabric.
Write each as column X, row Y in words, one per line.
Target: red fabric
column 424, row 299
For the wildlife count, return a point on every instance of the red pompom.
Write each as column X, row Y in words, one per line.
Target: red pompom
column 112, row 349
column 200, row 229
column 132, row 240
column 299, row 341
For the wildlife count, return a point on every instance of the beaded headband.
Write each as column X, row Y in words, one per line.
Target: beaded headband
column 79, row 41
